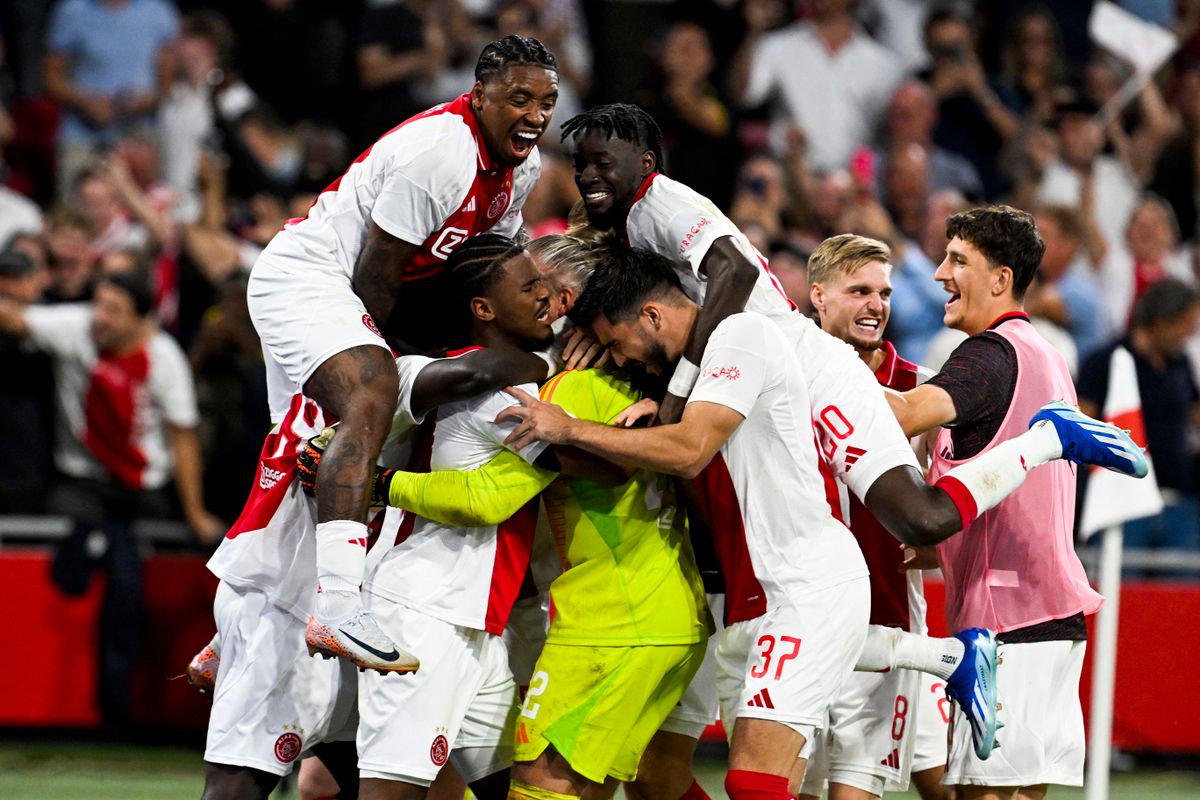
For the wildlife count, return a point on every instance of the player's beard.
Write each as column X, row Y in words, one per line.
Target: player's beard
column 656, row 359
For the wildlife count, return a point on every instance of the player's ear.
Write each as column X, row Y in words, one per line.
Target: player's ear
column 477, row 96
column 649, row 163
column 1002, row 280
column 481, row 309
column 816, row 295
column 653, row 315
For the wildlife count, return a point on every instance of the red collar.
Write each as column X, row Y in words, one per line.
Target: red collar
column 887, row 368
column 623, row 235
column 461, row 105
column 1006, row 317
column 462, row 351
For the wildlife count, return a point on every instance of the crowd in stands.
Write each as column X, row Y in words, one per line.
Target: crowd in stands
column 171, row 140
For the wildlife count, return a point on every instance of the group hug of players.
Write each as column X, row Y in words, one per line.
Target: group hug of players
column 701, row 410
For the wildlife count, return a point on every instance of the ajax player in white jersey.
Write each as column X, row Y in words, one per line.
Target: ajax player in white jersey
column 797, row 594
column 369, row 256
column 271, row 701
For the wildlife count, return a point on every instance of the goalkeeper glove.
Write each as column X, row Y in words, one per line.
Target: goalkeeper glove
column 309, row 462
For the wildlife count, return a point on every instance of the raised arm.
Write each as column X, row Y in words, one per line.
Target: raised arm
column 731, row 278
column 447, row 380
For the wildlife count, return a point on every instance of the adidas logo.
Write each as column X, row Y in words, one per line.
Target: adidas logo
column 268, row 477
column 893, row 759
column 853, row 454
column 469, row 207
column 761, row 700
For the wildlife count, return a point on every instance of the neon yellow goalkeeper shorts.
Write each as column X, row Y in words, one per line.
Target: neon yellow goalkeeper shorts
column 600, row 706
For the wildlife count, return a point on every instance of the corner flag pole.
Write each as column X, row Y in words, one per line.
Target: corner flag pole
column 1104, row 667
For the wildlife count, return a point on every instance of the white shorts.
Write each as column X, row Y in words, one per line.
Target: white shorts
column 525, row 635
column 272, row 701
column 460, row 706
column 1037, row 686
column 699, row 708
column 304, row 314
column 791, row 663
column 933, row 723
column 870, row 736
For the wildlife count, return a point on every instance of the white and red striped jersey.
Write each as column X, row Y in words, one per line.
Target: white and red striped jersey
column 897, row 598
column 768, row 494
column 113, row 410
column 428, row 181
column 466, row 576
column 272, row 545
column 678, row 223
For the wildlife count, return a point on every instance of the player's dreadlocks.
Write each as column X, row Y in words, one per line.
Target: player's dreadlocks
column 475, row 264
column 511, row 51
column 627, row 122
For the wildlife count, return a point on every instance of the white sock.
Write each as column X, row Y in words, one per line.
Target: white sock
column 982, row 483
column 891, row 648
column 341, row 555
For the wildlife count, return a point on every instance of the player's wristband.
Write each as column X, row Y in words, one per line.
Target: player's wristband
column 684, row 378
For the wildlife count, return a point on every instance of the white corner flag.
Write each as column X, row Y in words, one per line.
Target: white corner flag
column 1111, row 500
column 1143, row 44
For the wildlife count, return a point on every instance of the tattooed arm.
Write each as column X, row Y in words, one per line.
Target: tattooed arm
column 378, row 271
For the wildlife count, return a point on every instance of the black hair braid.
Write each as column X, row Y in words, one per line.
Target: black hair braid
column 510, row 51
column 627, row 122
column 475, row 264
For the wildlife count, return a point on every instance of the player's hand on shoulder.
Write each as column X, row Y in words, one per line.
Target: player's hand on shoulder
column 581, row 351
column 643, row 411
column 536, row 421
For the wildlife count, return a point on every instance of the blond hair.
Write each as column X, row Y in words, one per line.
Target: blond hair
column 569, row 261
column 844, row 253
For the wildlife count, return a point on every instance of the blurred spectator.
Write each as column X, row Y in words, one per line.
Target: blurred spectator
column 126, row 424
column 18, row 214
column 26, row 397
column 558, row 24
column 1082, row 176
column 761, row 196
column 694, row 118
column 1177, row 173
column 1065, row 290
column 231, row 389
column 1163, row 319
column 110, row 62
column 399, row 44
column 824, row 74
column 70, row 238
column 940, row 207
column 789, row 264
column 1033, row 62
column 911, row 119
column 1149, row 253
column 206, row 91
column 973, row 119
column 35, row 248
column 896, row 24
column 906, row 186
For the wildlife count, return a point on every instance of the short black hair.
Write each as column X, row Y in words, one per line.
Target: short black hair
column 620, row 284
column 512, row 51
column 1006, row 236
column 139, row 287
column 1165, row 301
column 627, row 122
column 475, row 265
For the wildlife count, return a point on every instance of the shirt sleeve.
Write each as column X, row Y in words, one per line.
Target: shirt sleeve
column 172, row 385
column 673, row 220
column 471, row 498
column 60, row 330
column 431, row 173
column 980, row 377
column 735, row 370
column 498, row 432
column 406, row 417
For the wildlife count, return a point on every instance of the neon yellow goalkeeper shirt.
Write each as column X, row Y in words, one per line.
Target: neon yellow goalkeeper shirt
column 629, row 574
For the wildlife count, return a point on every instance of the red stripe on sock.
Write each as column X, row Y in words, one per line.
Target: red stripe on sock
column 961, row 496
column 742, row 784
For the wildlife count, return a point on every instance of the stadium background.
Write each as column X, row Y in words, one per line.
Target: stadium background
column 266, row 102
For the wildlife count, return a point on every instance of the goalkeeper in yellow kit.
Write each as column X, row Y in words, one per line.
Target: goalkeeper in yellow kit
column 629, row 616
